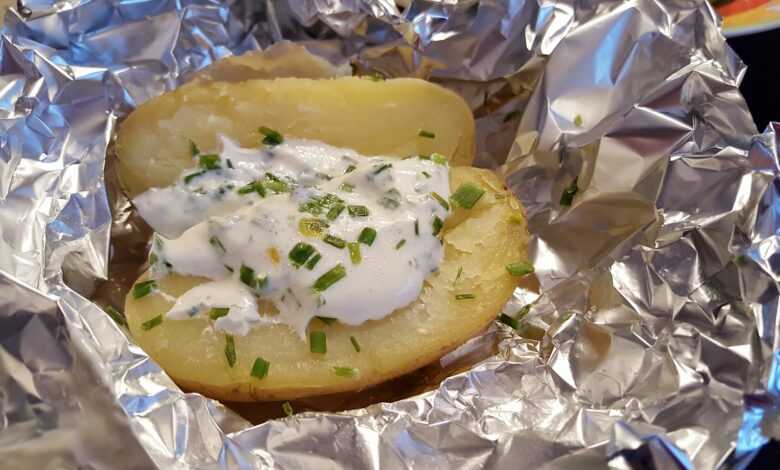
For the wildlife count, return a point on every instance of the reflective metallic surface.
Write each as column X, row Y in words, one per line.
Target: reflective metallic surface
column 651, row 198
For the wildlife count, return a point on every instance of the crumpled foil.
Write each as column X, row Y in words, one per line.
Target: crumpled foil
column 659, row 277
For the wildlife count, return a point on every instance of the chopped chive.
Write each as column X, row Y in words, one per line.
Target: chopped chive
column 521, row 268
column 426, row 174
column 346, row 187
column 345, row 371
column 272, row 137
column 152, row 258
column 331, row 277
column 335, row 211
column 311, row 227
column 229, row 268
column 209, row 161
column 318, row 342
column 148, row 325
column 276, row 184
column 417, row 227
column 382, row 168
column 142, row 289
column 391, row 199
column 350, row 169
column 300, row 253
column 460, row 273
column 426, row 134
column 400, row 244
column 578, row 120
column 441, row 200
column 354, row 252
column 194, row 150
column 438, row 159
column 467, row 195
column 218, row 312
column 230, row 350
column 192, row 176
column 367, row 236
column 229, row 163
column 247, row 276
column 260, row 368
column 287, row 408
column 437, row 225
column 313, row 261
column 355, row 343
column 116, row 315
column 465, row 296
column 334, row 241
column 326, row 320
column 568, row 194
column 253, row 187
column 358, row 211
column 507, row 320
column 214, row 241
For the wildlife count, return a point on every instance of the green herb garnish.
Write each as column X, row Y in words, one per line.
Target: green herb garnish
column 214, row 241
column 521, row 268
column 346, row 187
column 218, row 312
column 391, row 199
column 209, row 161
column 467, row 195
column 355, row 343
column 438, row 159
column 331, row 277
column 507, row 320
column 354, row 252
column 400, row 244
column 300, row 253
column 276, row 184
column 367, row 236
column 350, row 169
column 437, row 225
column 457, row 277
column 192, row 176
column 441, row 200
column 335, row 211
column 272, row 137
column 253, row 187
column 345, row 371
column 230, row 350
column 578, row 120
column 148, row 325
column 465, row 296
column 310, row 227
column 313, row 261
column 287, row 408
column 318, row 342
column 568, row 194
column 334, row 241
column 358, row 211
column 142, row 289
column 260, row 368
column 194, row 150
column 426, row 174
column 326, row 320
column 426, row 134
column 417, row 227
column 117, row 316
column 247, row 276
column 381, row 168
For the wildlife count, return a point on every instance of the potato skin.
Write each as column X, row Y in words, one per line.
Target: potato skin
column 481, row 241
column 371, row 117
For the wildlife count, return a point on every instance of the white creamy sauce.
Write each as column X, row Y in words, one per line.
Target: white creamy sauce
column 314, row 200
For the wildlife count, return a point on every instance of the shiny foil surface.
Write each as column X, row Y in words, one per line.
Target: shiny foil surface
column 652, row 202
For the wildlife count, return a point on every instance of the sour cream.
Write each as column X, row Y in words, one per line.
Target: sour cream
column 311, row 229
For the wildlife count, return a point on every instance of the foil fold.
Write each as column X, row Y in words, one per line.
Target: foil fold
column 653, row 339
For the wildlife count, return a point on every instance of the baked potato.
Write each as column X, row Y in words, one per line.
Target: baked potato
column 463, row 297
column 372, row 117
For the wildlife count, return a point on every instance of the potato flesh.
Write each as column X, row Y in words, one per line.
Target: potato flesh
column 371, row 117
column 481, row 241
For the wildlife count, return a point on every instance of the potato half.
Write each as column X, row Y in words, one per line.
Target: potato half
column 372, row 117
column 478, row 243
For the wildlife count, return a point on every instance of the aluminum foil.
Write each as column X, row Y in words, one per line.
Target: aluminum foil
column 651, row 198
